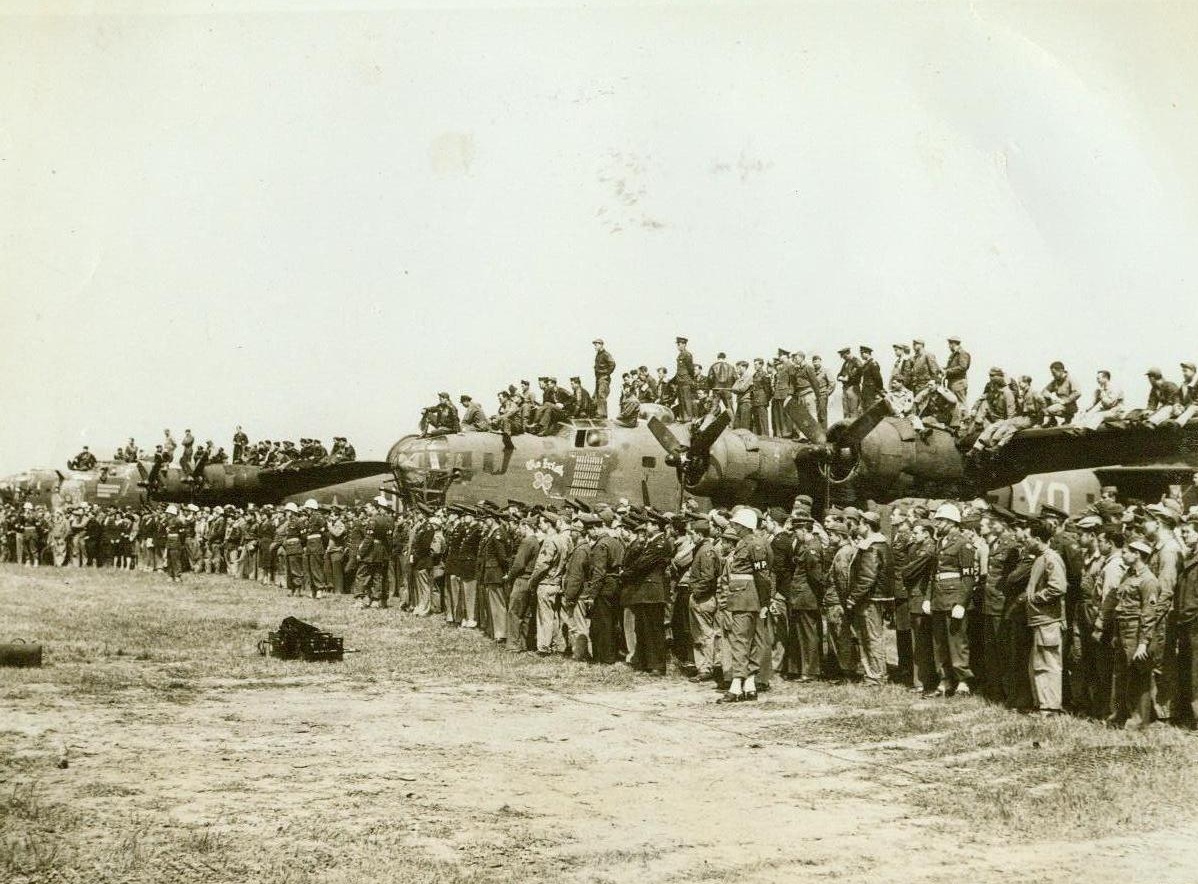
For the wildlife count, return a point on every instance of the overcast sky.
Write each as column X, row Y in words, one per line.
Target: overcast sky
column 309, row 222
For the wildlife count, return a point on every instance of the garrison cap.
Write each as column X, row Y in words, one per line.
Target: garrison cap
column 1154, row 372
column 871, row 518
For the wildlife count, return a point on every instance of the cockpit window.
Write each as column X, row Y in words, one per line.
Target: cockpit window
column 593, row 437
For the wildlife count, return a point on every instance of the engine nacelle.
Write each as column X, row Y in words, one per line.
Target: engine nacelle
column 896, row 458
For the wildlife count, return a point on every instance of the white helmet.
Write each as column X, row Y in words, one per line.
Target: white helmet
column 745, row 517
column 172, row 510
column 948, row 511
column 291, row 507
column 27, row 506
column 382, row 500
column 311, row 504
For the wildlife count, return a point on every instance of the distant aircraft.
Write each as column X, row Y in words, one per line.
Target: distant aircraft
column 122, row 484
column 877, row 457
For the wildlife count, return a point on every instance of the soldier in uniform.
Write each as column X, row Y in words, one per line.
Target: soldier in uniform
column 576, row 606
column 721, row 375
column 583, row 405
column 1128, row 617
column 901, row 370
column 918, row 572
column 684, row 381
column 605, row 366
column 1102, row 573
column 744, row 595
column 315, row 580
column 294, row 533
column 823, row 389
column 871, row 378
column 175, row 528
column 869, row 582
column 374, row 556
column 607, row 562
column 334, row 554
column 468, row 545
column 1060, row 396
column 1185, row 707
column 850, row 383
column 521, row 605
column 494, row 558
column 759, row 398
column 783, row 389
column 1046, row 588
column 956, row 370
column 644, row 594
column 804, row 592
column 952, row 585
column 475, row 419
column 701, row 576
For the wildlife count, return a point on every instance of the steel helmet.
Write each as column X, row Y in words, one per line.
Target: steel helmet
column 311, row 504
column 949, row 512
column 291, row 507
column 745, row 517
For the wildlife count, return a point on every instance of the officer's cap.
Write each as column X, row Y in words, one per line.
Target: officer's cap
column 996, row 372
column 865, row 348
column 777, row 514
column 871, row 518
column 844, row 350
column 1189, row 365
column 598, row 341
column 1089, row 523
column 680, row 340
column 954, row 340
column 919, row 341
column 575, row 379
column 1140, row 546
column 782, row 352
column 1053, row 512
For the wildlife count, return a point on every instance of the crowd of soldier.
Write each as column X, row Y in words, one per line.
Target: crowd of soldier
column 761, row 395
column 1096, row 615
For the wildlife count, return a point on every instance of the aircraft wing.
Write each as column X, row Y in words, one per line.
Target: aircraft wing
column 1053, row 449
column 298, row 478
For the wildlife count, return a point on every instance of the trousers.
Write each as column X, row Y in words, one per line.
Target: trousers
column 743, row 644
column 950, row 641
column 605, row 646
column 703, row 634
column 519, row 615
column 549, row 619
column 867, row 626
column 1044, row 666
column 650, row 630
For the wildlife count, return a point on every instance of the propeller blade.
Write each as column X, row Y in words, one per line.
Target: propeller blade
column 807, row 424
column 665, row 438
column 850, row 436
column 708, row 432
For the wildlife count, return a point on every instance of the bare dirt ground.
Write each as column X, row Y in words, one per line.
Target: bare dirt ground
column 431, row 756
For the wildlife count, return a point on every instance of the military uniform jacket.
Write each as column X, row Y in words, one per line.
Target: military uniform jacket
column 919, row 567
column 850, row 374
column 525, row 557
column 645, row 571
column 957, row 366
column 1004, row 557
column 1165, row 563
column 1186, row 593
column 684, row 371
column 494, row 556
column 578, row 567
column 1128, row 611
column 871, row 380
column 748, row 579
column 1102, row 577
column 604, row 364
column 704, row 571
column 807, row 580
column 607, row 560
column 783, row 381
column 759, row 392
column 924, row 370
column 869, row 572
column 468, row 549
column 422, row 547
column 314, row 533
column 952, row 582
column 1046, row 587
column 782, row 557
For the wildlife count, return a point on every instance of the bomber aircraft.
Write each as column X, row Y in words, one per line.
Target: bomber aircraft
column 880, row 457
column 123, row 484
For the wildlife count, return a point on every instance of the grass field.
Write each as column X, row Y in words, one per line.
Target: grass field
column 431, row 755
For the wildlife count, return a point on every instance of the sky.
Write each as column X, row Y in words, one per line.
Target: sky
column 310, row 218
